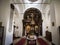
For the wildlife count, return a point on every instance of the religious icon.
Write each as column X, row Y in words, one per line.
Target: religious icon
column 28, row 19
column 36, row 27
column 27, row 28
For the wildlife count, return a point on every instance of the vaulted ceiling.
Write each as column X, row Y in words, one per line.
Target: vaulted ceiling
column 22, row 5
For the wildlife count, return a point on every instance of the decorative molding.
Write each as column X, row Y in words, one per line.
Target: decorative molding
column 33, row 0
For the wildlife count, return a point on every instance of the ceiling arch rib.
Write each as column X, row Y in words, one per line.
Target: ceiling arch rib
column 38, row 4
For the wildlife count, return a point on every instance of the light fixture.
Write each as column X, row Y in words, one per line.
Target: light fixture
column 32, row 0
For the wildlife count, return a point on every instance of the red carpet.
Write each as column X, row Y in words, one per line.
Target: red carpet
column 21, row 42
column 42, row 42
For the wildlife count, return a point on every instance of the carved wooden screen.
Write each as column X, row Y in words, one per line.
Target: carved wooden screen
column 32, row 21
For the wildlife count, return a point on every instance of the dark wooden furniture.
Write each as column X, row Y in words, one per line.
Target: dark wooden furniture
column 1, row 34
column 0, row 23
column 59, row 29
column 49, row 36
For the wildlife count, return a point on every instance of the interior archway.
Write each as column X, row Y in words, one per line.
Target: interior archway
column 32, row 22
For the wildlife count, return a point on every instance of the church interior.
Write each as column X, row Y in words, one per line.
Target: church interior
column 29, row 22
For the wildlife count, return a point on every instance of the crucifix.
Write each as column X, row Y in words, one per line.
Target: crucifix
column 32, row 21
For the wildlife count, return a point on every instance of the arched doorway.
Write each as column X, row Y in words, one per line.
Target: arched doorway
column 32, row 22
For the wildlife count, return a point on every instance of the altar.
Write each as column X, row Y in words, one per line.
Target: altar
column 31, row 40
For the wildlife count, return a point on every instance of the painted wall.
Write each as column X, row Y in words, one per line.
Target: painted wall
column 5, row 17
column 19, row 16
column 55, row 36
column 52, row 15
column 46, row 19
column 18, row 22
column 57, row 15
